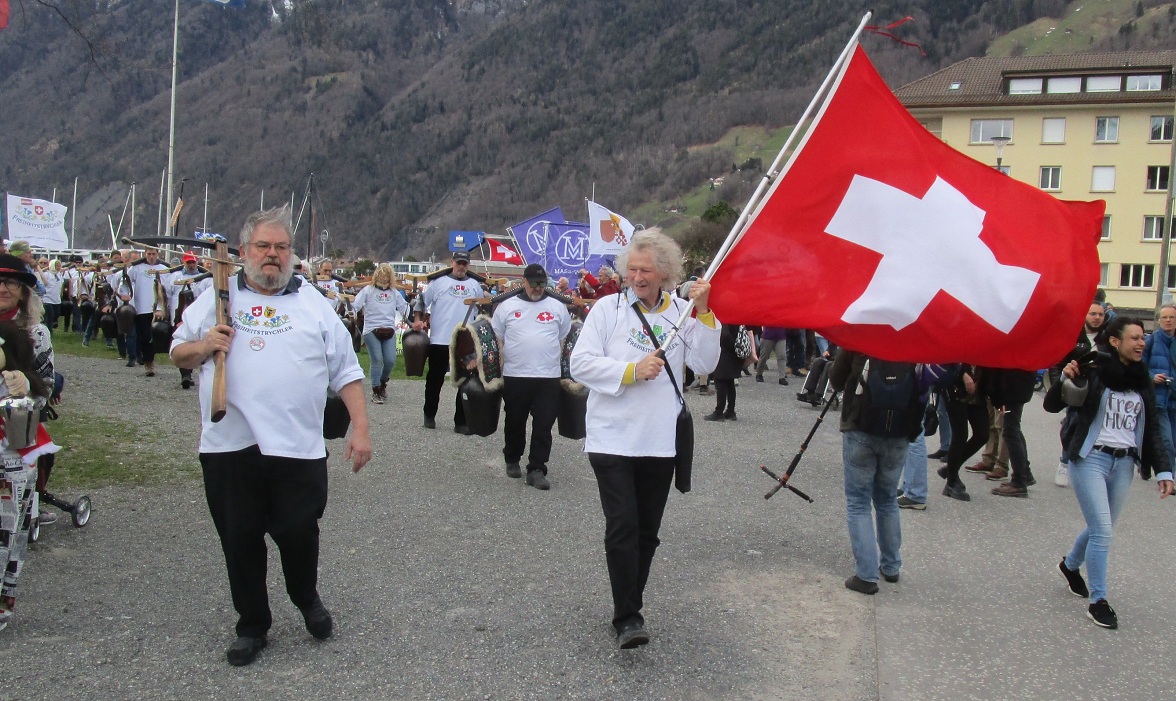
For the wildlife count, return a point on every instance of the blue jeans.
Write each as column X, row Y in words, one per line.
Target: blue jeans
column 873, row 465
column 382, row 357
column 944, row 423
column 1101, row 482
column 914, row 472
column 1168, row 426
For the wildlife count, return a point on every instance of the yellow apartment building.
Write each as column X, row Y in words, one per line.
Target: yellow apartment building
column 1081, row 127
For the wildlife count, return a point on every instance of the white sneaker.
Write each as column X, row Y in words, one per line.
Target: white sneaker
column 1062, row 476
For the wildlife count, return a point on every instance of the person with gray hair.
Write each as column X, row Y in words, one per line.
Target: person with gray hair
column 265, row 462
column 633, row 409
column 602, row 284
column 1157, row 356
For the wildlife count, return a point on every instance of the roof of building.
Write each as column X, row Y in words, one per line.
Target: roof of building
column 981, row 81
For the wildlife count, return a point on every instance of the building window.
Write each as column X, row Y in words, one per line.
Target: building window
column 1171, row 277
column 1141, row 83
column 1051, row 178
column 1053, row 130
column 956, row 85
column 1103, row 273
column 1025, row 86
column 984, row 129
column 1106, row 229
column 1106, row 130
column 1064, row 85
column 1161, row 128
column 1102, row 179
column 1153, row 228
column 1104, row 83
column 1157, row 178
column 1137, row 275
column 933, row 125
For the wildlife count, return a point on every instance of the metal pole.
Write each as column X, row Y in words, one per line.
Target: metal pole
column 73, row 215
column 205, row 227
column 171, row 136
column 132, row 210
column 262, row 199
column 162, row 183
column 1162, row 295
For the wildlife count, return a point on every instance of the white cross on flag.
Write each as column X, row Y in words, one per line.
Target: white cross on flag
column 889, row 242
column 502, row 253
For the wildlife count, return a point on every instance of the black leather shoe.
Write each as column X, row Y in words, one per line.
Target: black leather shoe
column 937, row 455
column 513, row 469
column 430, row 422
column 956, row 491
column 714, row 416
column 462, row 429
column 244, row 650
column 631, row 636
column 861, row 586
column 318, row 621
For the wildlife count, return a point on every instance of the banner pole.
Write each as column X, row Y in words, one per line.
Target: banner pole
column 771, row 174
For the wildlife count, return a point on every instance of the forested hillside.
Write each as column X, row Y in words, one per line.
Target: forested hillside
column 418, row 116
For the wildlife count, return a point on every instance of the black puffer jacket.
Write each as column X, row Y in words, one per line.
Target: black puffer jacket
column 1153, row 453
column 1009, row 387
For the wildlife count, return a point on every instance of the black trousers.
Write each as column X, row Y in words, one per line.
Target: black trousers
column 724, row 396
column 1014, row 438
column 145, row 346
column 435, row 380
column 249, row 495
column 537, row 397
column 962, row 415
column 633, row 493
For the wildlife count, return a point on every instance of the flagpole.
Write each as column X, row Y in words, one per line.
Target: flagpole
column 162, row 183
column 771, row 174
column 133, row 210
column 73, row 215
column 171, row 137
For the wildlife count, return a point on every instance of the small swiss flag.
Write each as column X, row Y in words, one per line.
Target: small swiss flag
column 545, row 316
column 502, row 253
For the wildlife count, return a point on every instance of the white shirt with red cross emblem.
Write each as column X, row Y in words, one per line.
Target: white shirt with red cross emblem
column 531, row 334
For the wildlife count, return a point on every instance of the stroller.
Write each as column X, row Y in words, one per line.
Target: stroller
column 79, row 510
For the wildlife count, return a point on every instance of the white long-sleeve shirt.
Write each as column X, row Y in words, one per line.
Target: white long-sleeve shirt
column 638, row 418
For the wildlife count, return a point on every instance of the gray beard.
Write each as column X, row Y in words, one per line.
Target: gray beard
column 259, row 279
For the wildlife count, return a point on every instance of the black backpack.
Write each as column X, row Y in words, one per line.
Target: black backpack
column 888, row 398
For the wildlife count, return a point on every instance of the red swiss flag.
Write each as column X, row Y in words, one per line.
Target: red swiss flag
column 503, row 253
column 889, row 242
column 3, row 14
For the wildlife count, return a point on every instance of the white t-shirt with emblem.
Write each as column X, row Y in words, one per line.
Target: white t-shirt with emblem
column 445, row 299
column 144, row 299
column 639, row 419
column 532, row 335
column 331, row 285
column 174, row 290
column 381, row 308
column 287, row 350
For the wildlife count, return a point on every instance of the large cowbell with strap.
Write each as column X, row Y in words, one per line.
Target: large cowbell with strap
column 480, row 390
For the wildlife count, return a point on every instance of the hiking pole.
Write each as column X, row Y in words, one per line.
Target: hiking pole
column 782, row 481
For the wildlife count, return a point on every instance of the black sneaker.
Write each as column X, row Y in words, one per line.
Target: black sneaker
column 318, row 621
column 186, row 383
column 462, row 429
column 430, row 422
column 538, row 480
column 937, row 455
column 713, row 416
column 783, row 380
column 244, row 650
column 513, row 470
column 631, row 636
column 759, row 378
column 892, row 578
column 1102, row 614
column 857, row 584
column 907, row 503
column 1074, row 580
column 730, row 415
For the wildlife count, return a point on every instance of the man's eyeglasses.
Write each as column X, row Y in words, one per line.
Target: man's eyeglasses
column 266, row 247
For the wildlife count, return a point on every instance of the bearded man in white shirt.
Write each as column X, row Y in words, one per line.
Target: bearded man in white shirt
column 265, row 462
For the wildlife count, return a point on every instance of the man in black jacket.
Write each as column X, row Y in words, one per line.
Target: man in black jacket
column 1087, row 341
column 1009, row 392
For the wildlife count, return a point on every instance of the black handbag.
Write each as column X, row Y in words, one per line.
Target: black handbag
column 684, row 427
column 931, row 416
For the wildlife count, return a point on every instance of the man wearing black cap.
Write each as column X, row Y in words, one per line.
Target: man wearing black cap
column 530, row 327
column 444, row 302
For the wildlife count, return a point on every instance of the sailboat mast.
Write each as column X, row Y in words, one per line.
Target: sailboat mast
column 171, row 136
